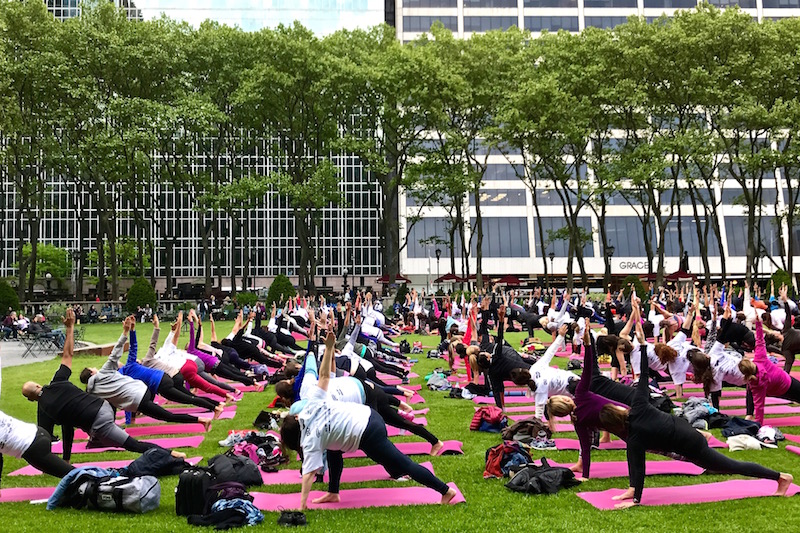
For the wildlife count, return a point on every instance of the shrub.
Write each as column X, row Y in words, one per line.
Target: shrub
column 141, row 294
column 781, row 277
column 8, row 298
column 280, row 286
column 637, row 285
column 246, row 298
column 55, row 312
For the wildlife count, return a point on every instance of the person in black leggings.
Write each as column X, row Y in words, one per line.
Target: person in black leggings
column 791, row 340
column 651, row 429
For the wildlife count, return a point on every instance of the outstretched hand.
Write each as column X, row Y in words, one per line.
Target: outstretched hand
column 69, row 318
column 155, row 321
column 330, row 340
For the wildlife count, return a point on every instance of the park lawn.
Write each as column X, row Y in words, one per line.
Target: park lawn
column 490, row 506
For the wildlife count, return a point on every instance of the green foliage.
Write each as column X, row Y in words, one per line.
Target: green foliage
column 128, row 255
column 280, row 289
column 141, row 294
column 634, row 281
column 779, row 278
column 55, row 313
column 185, row 307
column 50, row 259
column 246, row 298
column 8, row 298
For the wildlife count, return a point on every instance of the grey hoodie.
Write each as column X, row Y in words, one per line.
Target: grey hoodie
column 123, row 392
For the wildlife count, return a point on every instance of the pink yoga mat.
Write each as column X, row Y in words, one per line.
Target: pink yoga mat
column 356, row 498
column 31, row 471
column 247, row 388
column 508, row 399
column 793, row 449
column 420, row 411
column 25, row 494
column 610, row 469
column 414, row 399
column 735, row 489
column 197, row 411
column 785, row 421
column 392, row 431
column 149, row 431
column 574, row 444
column 173, row 442
column 451, row 447
column 740, row 402
column 793, row 438
column 226, row 415
column 769, row 410
column 349, row 475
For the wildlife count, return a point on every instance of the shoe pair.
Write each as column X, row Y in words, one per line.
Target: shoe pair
column 292, row 518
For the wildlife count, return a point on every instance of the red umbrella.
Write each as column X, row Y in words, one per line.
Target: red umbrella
column 448, row 277
column 397, row 279
column 680, row 275
column 509, row 280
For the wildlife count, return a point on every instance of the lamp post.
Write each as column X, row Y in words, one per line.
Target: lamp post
column 438, row 256
column 609, row 253
column 49, row 277
column 344, row 284
column 552, row 257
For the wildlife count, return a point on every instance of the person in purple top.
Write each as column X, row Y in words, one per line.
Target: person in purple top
column 212, row 363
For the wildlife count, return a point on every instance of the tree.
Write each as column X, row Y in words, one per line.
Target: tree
column 8, row 297
column 280, row 289
column 140, row 295
column 49, row 260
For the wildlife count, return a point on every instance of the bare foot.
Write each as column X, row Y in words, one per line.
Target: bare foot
column 329, row 497
column 407, row 393
column 605, row 437
column 706, row 434
column 437, row 448
column 178, row 455
column 218, row 410
column 230, row 398
column 577, row 467
column 627, row 495
column 259, row 387
column 448, row 496
column 206, row 423
column 783, row 484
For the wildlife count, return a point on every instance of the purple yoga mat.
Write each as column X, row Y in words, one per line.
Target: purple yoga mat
column 793, row 449
column 31, row 471
column 173, row 442
column 735, row 489
column 392, row 431
column 451, row 447
column 610, row 469
column 149, row 431
column 356, row 498
column 26, row 494
column 574, row 444
column 355, row 474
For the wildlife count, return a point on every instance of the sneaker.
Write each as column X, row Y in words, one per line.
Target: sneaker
column 543, row 444
column 292, row 518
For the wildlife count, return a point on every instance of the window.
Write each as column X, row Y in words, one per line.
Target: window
column 480, row 24
column 605, row 22
column 481, row 147
column 609, row 3
column 502, row 237
column 551, row 23
column 490, row 3
column 420, row 24
column 430, row 3
column 561, row 246
column 551, row 3
column 427, row 235
column 732, row 195
column 500, row 172
column 776, row 4
column 747, row 4
column 736, row 228
column 492, row 197
column 671, row 4
column 626, row 235
column 688, row 234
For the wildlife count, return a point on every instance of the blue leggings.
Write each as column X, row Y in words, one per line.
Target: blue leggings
column 380, row 449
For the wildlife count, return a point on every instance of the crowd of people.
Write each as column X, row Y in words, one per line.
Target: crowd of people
column 338, row 401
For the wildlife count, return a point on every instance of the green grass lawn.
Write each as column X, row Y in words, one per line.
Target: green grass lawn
column 490, row 506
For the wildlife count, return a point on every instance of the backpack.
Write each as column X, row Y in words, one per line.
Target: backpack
column 246, row 449
column 228, row 490
column 574, row 364
column 405, row 347
column 544, row 479
column 268, row 420
column 662, row 403
column 129, row 494
column 155, row 462
column 229, row 467
column 190, row 493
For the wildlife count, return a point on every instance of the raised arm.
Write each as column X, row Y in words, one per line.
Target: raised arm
column 177, row 333
column 588, row 364
column 327, row 361
column 69, row 342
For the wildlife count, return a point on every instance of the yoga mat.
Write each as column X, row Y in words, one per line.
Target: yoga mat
column 741, row 402
column 610, row 469
column 785, row 421
column 521, row 409
column 739, row 393
column 508, row 399
column 356, row 498
column 420, row 411
column 173, row 442
column 247, row 388
column 26, row 494
column 349, row 475
column 793, row 438
column 392, row 431
column 769, row 410
column 451, row 447
column 559, row 427
column 193, row 410
column 31, row 471
column 793, row 449
column 574, row 444
column 735, row 489
column 414, row 399
column 225, row 415
column 148, row 431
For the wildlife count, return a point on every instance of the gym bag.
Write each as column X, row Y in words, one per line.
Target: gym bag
column 119, row 494
column 190, row 494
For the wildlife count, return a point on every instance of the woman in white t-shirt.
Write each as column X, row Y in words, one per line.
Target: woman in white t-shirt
column 325, row 425
column 29, row 442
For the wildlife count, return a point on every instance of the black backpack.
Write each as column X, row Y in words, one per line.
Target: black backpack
column 190, row 495
column 230, row 467
column 155, row 462
column 405, row 347
column 544, row 479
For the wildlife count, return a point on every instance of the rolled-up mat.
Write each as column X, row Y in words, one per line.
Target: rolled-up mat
column 32, row 471
column 793, row 449
column 26, row 494
column 574, row 444
column 149, row 431
column 793, row 438
column 356, row 498
column 355, row 474
column 735, row 489
column 392, row 431
column 611, row 469
column 172, row 442
column 451, row 447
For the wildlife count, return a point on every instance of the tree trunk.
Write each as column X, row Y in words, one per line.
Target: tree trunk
column 479, row 243
column 204, row 238
column 390, row 229
column 234, row 238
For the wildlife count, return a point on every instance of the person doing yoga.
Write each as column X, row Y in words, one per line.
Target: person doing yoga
column 62, row 403
column 325, row 425
column 651, row 429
